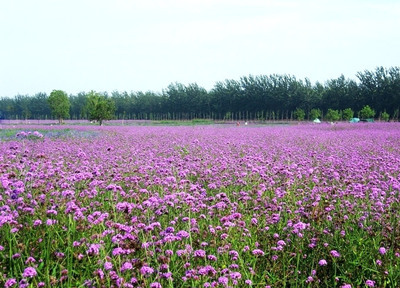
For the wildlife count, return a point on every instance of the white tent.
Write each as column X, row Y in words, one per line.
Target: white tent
column 316, row 120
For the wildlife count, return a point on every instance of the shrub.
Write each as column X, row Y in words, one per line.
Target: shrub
column 367, row 112
column 347, row 114
column 299, row 114
column 332, row 115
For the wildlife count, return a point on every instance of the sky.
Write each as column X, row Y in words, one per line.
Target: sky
column 128, row 45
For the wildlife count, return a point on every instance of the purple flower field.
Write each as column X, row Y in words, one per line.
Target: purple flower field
column 201, row 206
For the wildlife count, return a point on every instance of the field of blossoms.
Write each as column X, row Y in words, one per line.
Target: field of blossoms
column 200, row 206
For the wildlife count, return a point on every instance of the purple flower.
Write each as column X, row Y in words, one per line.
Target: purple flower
column 50, row 222
column 94, row 249
column 167, row 275
column 155, row 285
column 146, row 270
column 248, row 282
column 233, row 254
column 335, row 254
column 281, row 243
column 59, row 254
column 370, row 283
column 322, row 262
column 126, row 266
column 30, row 260
column 300, row 226
column 37, row 134
column 117, row 251
column 108, row 265
column 235, row 275
column 100, row 273
column 223, row 280
column 164, row 267
column 16, row 255
column 134, row 280
column 204, row 244
column 10, row 282
column 169, row 230
column 258, row 252
column 29, row 272
column 382, row 250
column 183, row 234
column 200, row 253
column 23, row 283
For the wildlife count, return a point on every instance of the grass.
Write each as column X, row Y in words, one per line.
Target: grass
column 192, row 122
column 13, row 133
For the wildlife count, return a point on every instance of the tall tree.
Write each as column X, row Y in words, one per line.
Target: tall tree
column 198, row 99
column 7, row 108
column 39, row 106
column 59, row 104
column 22, row 105
column 100, row 107
column 78, row 106
column 225, row 98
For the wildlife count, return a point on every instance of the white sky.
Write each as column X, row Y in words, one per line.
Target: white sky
column 129, row 45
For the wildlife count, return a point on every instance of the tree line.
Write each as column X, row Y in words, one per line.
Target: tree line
column 273, row 97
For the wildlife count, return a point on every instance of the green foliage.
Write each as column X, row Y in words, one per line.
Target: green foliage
column 315, row 113
column 380, row 89
column 28, row 134
column 100, row 108
column 228, row 116
column 367, row 112
column 202, row 121
column 299, row 114
column 262, row 97
column 59, row 104
column 332, row 115
column 385, row 116
column 347, row 114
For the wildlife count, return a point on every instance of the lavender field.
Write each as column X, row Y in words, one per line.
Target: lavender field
column 201, row 206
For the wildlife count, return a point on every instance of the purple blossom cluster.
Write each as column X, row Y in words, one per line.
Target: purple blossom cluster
column 29, row 135
column 202, row 207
